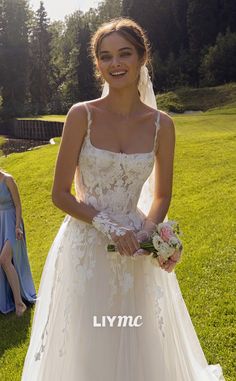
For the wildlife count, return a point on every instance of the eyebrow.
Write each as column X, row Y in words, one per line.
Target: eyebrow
column 125, row 48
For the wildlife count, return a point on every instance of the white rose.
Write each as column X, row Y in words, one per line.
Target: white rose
column 164, row 250
column 157, row 241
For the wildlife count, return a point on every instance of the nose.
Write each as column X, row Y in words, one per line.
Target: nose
column 116, row 62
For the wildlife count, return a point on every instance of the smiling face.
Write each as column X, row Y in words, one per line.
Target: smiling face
column 118, row 61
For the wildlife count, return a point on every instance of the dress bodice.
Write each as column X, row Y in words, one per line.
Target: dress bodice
column 110, row 180
column 6, row 201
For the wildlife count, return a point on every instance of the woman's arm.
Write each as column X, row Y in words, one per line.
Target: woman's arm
column 163, row 180
column 164, row 161
column 11, row 184
column 74, row 130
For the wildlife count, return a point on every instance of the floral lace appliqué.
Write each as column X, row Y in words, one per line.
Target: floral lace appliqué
column 157, row 294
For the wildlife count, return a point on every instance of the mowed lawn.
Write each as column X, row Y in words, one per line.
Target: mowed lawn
column 203, row 203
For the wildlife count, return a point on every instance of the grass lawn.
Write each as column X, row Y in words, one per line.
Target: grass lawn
column 203, row 202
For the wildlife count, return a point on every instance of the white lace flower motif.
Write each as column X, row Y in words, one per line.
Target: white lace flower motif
column 128, row 281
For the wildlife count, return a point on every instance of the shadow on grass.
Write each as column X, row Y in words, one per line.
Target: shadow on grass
column 14, row 330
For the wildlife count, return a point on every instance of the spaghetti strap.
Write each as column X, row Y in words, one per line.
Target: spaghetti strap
column 157, row 123
column 89, row 117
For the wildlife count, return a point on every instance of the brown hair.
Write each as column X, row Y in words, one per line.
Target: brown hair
column 128, row 29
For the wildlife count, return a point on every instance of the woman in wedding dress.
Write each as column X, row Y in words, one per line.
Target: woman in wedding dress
column 114, row 146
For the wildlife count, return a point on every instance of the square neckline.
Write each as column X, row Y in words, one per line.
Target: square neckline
column 157, row 125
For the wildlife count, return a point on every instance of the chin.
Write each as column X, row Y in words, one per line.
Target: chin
column 120, row 86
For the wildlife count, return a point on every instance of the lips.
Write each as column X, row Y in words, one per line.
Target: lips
column 118, row 73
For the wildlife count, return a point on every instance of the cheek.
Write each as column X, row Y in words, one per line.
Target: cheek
column 134, row 65
column 102, row 67
column 99, row 71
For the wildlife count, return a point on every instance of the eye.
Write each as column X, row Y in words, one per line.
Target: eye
column 105, row 57
column 124, row 54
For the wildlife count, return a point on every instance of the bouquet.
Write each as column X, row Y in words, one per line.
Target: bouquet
column 163, row 242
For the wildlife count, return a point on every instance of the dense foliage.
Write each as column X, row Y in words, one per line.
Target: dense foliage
column 45, row 66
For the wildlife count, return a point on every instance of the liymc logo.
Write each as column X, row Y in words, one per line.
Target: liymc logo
column 118, row 321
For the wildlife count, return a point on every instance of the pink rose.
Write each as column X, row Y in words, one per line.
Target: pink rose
column 166, row 233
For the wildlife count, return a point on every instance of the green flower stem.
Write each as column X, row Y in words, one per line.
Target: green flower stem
column 148, row 246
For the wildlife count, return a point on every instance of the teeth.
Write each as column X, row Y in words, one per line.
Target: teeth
column 118, row 73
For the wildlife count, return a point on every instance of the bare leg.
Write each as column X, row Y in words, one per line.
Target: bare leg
column 12, row 277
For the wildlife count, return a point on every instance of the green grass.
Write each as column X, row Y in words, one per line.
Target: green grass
column 50, row 118
column 198, row 99
column 203, row 202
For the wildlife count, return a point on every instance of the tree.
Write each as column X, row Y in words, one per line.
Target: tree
column 85, row 70
column 73, row 25
column 14, row 56
column 57, row 73
column 109, row 9
column 80, row 83
column 203, row 21
column 219, row 64
column 164, row 21
column 179, row 11
column 40, row 91
column 227, row 15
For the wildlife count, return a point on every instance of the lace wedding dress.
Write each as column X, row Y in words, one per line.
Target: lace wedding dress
column 82, row 280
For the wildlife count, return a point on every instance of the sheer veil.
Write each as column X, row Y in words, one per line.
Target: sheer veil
column 147, row 96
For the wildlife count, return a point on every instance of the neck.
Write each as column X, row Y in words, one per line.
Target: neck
column 123, row 102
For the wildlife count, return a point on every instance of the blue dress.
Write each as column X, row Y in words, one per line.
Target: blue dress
column 20, row 258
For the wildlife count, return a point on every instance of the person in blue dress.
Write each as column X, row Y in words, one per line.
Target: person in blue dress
column 16, row 283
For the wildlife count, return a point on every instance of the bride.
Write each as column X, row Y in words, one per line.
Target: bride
column 118, row 147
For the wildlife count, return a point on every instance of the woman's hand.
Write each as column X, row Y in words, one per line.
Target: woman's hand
column 19, row 233
column 148, row 227
column 170, row 264
column 127, row 244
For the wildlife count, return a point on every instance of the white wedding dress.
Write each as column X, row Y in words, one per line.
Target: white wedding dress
column 82, row 280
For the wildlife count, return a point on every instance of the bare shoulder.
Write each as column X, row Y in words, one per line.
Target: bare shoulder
column 166, row 122
column 166, row 132
column 77, row 115
column 9, row 180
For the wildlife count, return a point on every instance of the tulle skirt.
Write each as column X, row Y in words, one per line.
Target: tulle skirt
column 104, row 317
